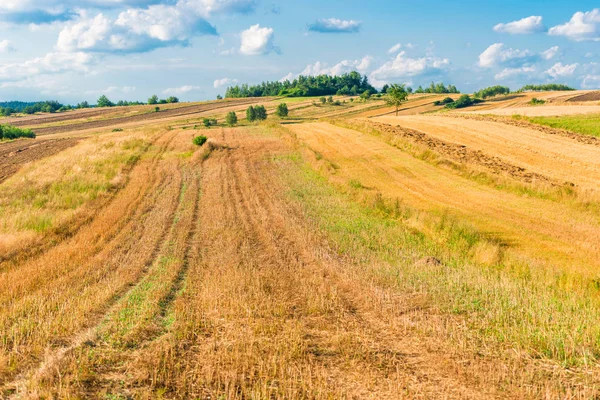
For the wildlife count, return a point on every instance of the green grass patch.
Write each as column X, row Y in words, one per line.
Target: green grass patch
column 588, row 124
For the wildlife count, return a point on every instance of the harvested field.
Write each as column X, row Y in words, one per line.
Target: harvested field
column 439, row 256
column 14, row 154
column 539, row 228
column 560, row 158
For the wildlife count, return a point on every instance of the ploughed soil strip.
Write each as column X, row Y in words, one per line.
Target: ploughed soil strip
column 592, row 96
column 14, row 154
column 464, row 154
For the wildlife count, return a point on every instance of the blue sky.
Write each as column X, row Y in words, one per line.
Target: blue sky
column 74, row 50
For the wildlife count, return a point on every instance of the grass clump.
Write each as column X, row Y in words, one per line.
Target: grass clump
column 199, row 140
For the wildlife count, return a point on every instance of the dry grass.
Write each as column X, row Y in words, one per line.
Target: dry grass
column 257, row 267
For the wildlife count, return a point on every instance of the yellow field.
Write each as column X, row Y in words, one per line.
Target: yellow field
column 339, row 253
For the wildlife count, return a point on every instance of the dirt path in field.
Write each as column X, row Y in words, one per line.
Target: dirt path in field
column 539, row 228
column 540, row 111
column 67, row 290
column 554, row 156
column 14, row 154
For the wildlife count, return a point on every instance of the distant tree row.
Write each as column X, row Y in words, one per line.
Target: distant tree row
column 438, row 88
column 351, row 83
column 155, row 100
column 548, row 87
column 491, row 92
column 8, row 132
column 104, row 101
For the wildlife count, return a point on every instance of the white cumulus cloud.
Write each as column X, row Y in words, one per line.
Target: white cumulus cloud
column 514, row 72
column 6, row 46
column 550, row 53
column 224, row 82
column 527, row 25
column 582, row 26
column 257, row 41
column 402, row 67
column 498, row 54
column 559, row 70
column 181, row 90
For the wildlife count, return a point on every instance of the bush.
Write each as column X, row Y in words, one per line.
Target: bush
column 156, row 109
column 323, row 100
column 9, row 132
column 443, row 102
column 200, row 140
column 261, row 113
column 231, row 119
column 117, row 130
column 330, row 99
column 282, row 110
column 251, row 114
column 210, row 122
column 463, row 101
column 536, row 102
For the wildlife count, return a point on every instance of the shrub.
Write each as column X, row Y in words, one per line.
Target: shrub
column 231, row 118
column 200, row 140
column 9, row 132
column 463, row 101
column 261, row 113
column 156, row 109
column 251, row 114
column 337, row 103
column 536, row 101
column 117, row 130
column 323, row 100
column 443, row 102
column 330, row 99
column 282, row 110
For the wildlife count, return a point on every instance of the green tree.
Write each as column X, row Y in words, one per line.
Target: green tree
column 397, row 94
column 385, row 88
column 323, row 100
column 330, row 99
column 251, row 114
column 103, row 101
column 219, row 97
column 207, row 122
column 172, row 99
column 282, row 110
column 231, row 118
column 153, row 99
column 156, row 109
column 366, row 95
column 261, row 113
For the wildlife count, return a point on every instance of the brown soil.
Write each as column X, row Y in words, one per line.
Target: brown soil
column 14, row 154
column 462, row 153
column 592, row 96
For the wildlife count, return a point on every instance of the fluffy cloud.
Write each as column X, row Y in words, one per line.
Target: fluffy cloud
column 182, row 90
column 515, row 72
column 590, row 82
column 51, row 63
column 559, row 70
column 6, row 46
column 395, row 48
column 338, row 69
column 531, row 24
column 134, row 30
column 224, row 82
column 550, row 53
column 498, row 54
column 334, row 25
column 403, row 67
column 582, row 26
column 257, row 41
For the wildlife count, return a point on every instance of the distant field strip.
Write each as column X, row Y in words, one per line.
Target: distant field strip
column 558, row 157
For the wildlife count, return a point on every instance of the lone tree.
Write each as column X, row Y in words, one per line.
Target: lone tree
column 397, row 94
column 251, row 114
column 282, row 110
column 231, row 118
column 103, row 101
column 153, row 100
column 172, row 99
